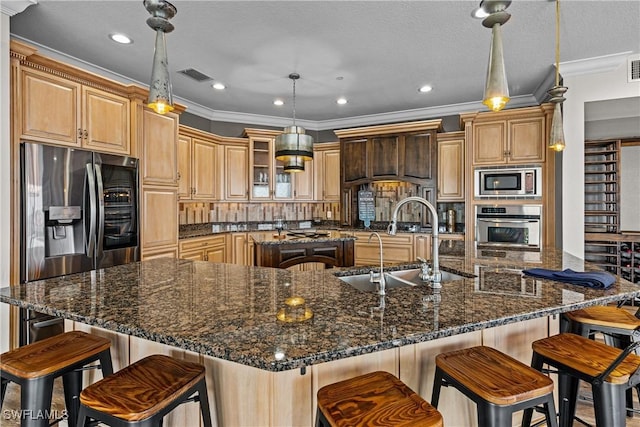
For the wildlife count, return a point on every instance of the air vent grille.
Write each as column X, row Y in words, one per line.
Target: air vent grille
column 634, row 69
column 195, row 75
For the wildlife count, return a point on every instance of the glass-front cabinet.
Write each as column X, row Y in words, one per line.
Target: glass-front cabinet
column 268, row 180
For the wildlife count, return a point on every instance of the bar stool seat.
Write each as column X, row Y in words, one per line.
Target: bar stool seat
column 35, row 366
column 498, row 384
column 374, row 399
column 144, row 392
column 609, row 370
column 614, row 322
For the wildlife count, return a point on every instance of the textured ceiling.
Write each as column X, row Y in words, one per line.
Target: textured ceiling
column 375, row 53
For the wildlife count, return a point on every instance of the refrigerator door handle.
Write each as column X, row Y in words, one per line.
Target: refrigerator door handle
column 100, row 193
column 91, row 238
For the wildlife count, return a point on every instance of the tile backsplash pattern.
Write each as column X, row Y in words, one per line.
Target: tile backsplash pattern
column 200, row 213
column 387, row 194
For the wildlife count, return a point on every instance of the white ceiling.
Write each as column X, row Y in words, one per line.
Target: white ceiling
column 375, row 53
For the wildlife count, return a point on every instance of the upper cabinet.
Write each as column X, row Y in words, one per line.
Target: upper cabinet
column 509, row 140
column 236, row 172
column 198, row 165
column 326, row 159
column 159, row 148
column 451, row 166
column 400, row 152
column 58, row 110
column 303, row 181
column 267, row 178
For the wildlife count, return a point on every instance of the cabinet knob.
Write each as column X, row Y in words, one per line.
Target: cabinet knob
column 86, row 134
column 79, row 133
column 179, row 176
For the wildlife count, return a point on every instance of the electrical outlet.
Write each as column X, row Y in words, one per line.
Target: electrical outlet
column 328, row 214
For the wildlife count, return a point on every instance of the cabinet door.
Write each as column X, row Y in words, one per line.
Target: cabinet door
column 418, row 156
column 384, row 159
column 193, row 256
column 527, row 141
column 184, row 167
column 236, row 174
column 106, row 121
column 204, row 168
column 451, row 170
column 50, row 109
column 423, row 245
column 239, row 249
column 216, row 254
column 331, row 176
column 489, row 143
column 159, row 218
column 303, row 182
column 261, row 170
column 159, row 148
column 354, row 160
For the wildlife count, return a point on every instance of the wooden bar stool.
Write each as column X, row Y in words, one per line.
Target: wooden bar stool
column 144, row 392
column 375, row 399
column 498, row 384
column 35, row 366
column 609, row 370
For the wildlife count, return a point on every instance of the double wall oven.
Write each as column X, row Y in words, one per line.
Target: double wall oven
column 509, row 226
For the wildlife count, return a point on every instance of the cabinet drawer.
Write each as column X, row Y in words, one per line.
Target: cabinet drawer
column 202, row 242
column 398, row 239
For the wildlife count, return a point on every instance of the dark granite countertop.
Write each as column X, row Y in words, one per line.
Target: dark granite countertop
column 230, row 311
column 299, row 236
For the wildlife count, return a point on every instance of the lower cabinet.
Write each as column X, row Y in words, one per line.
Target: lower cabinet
column 240, row 249
column 209, row 248
column 396, row 249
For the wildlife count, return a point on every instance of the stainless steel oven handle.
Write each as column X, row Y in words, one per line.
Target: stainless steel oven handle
column 511, row 221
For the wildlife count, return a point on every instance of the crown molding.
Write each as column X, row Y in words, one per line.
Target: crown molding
column 262, row 120
column 599, row 64
column 14, row 7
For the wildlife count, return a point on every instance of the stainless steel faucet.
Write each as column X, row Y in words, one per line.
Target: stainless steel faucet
column 436, row 276
column 378, row 277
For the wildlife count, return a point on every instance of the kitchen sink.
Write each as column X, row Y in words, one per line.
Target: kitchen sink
column 362, row 282
column 394, row 279
column 413, row 275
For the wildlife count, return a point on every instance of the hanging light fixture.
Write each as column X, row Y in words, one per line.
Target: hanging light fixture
column 496, row 91
column 556, row 139
column 293, row 146
column 160, row 97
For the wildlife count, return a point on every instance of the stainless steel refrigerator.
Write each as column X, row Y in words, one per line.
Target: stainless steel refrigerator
column 79, row 213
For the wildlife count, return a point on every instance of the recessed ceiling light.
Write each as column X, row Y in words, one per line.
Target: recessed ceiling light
column 218, row 86
column 341, row 101
column 120, row 38
column 278, row 102
column 425, row 89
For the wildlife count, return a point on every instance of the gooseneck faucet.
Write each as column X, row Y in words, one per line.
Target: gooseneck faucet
column 436, row 277
column 379, row 277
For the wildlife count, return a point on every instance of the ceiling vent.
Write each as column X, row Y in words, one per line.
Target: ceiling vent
column 633, row 69
column 195, row 75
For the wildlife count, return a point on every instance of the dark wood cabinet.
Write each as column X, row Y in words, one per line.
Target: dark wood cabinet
column 356, row 168
column 418, row 157
column 384, row 157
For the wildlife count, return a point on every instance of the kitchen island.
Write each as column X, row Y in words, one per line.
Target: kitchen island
column 265, row 371
column 329, row 247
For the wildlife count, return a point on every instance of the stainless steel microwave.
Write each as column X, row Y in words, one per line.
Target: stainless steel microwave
column 509, row 182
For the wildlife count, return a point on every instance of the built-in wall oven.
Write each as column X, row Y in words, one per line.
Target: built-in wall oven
column 509, row 225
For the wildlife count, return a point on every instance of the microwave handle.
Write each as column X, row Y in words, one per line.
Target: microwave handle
column 513, row 221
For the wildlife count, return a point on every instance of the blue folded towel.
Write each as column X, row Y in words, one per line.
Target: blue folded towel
column 592, row 279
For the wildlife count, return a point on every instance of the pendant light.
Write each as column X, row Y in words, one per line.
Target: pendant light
column 293, row 146
column 496, row 92
column 556, row 139
column 160, row 97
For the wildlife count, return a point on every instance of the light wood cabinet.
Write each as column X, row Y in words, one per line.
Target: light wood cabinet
column 396, row 249
column 236, row 173
column 240, row 249
column 509, row 141
column 159, row 149
column 451, row 166
column 208, row 248
column 327, row 172
column 61, row 111
column 198, row 168
column 162, row 253
column 303, row 181
column 267, row 178
column 422, row 246
column 159, row 218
